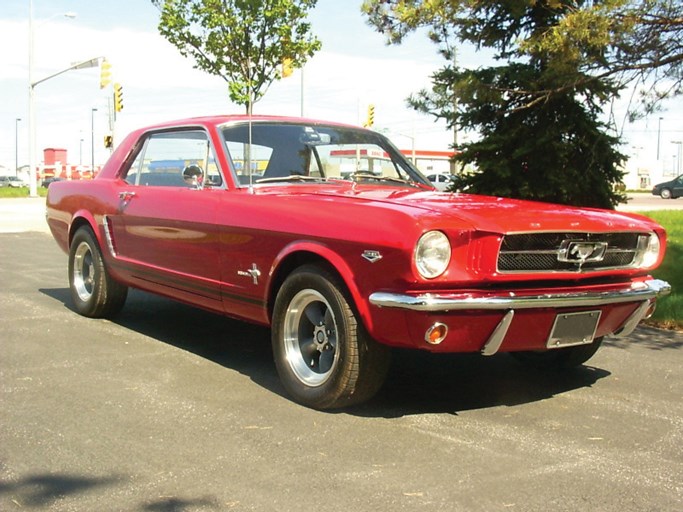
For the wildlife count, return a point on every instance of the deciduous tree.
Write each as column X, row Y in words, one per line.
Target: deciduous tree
column 245, row 42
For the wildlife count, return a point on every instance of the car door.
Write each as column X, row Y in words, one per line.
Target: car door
column 165, row 230
column 678, row 187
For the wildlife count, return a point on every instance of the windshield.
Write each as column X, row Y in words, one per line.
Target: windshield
column 304, row 153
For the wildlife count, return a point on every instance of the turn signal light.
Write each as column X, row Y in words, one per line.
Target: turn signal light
column 436, row 333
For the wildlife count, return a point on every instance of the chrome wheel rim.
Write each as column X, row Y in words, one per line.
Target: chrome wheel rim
column 84, row 272
column 310, row 338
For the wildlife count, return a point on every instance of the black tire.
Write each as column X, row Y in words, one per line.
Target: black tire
column 94, row 292
column 665, row 193
column 559, row 359
column 324, row 356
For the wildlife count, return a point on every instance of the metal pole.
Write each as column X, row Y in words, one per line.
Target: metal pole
column 302, row 92
column 33, row 189
column 659, row 131
column 32, row 165
column 92, row 139
column 16, row 146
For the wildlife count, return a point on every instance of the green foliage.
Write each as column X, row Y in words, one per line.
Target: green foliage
column 538, row 112
column 7, row 192
column 670, row 309
column 242, row 41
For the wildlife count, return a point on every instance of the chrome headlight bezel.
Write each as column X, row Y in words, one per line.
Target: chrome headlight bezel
column 432, row 254
column 648, row 252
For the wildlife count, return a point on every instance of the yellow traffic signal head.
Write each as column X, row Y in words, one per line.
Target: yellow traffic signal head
column 287, row 67
column 118, row 97
column 105, row 73
column 370, row 120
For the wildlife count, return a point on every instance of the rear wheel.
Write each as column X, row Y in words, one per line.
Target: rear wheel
column 94, row 292
column 560, row 358
column 323, row 354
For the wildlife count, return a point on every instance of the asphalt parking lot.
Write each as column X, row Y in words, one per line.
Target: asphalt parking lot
column 168, row 408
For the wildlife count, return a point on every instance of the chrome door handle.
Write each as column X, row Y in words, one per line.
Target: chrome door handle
column 126, row 196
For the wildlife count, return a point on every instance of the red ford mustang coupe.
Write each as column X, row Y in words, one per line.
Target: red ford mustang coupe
column 328, row 235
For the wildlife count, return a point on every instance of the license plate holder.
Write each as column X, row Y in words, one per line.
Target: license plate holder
column 570, row 329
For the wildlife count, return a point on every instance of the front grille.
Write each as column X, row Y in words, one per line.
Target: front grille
column 543, row 252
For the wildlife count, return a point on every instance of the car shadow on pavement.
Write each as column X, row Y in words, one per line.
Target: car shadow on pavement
column 43, row 490
column 648, row 337
column 418, row 382
column 421, row 382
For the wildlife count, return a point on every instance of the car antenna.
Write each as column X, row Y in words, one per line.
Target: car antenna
column 250, row 106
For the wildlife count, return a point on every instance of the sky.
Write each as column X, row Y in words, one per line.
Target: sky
column 354, row 68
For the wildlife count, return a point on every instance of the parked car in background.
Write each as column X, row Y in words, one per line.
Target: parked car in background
column 48, row 181
column 12, row 182
column 441, row 181
column 669, row 189
column 344, row 249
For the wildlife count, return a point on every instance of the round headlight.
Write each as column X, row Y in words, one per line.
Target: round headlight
column 432, row 254
column 649, row 251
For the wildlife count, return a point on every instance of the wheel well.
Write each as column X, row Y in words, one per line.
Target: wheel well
column 76, row 225
column 290, row 264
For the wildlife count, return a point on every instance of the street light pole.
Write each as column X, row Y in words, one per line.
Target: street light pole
column 92, row 139
column 16, row 146
column 33, row 186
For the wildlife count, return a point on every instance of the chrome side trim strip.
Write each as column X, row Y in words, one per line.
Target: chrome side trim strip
column 108, row 235
column 496, row 339
column 641, row 291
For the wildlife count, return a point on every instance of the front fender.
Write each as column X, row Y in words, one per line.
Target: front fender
column 306, row 250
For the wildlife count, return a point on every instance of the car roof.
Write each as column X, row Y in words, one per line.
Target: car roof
column 218, row 120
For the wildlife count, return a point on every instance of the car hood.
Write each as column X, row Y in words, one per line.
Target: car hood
column 485, row 213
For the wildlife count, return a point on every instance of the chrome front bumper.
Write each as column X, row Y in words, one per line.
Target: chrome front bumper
column 639, row 291
column 644, row 292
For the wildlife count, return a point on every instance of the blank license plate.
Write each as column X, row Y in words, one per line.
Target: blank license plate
column 573, row 329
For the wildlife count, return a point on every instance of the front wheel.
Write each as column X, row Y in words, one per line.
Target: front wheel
column 665, row 193
column 94, row 292
column 559, row 358
column 324, row 356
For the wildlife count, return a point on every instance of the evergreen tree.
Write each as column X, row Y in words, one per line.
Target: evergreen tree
column 539, row 112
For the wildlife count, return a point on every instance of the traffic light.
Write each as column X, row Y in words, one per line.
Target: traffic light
column 287, row 68
column 108, row 141
column 371, row 116
column 118, row 97
column 105, row 73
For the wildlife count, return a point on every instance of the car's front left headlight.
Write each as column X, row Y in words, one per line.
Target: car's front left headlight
column 648, row 251
column 432, row 254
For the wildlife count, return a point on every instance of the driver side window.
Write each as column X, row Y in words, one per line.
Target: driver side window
column 176, row 159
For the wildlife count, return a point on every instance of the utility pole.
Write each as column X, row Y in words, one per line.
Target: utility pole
column 455, row 111
column 16, row 146
column 659, row 132
column 92, row 139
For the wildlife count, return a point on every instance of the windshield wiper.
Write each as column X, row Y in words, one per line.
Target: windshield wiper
column 291, row 177
column 367, row 176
